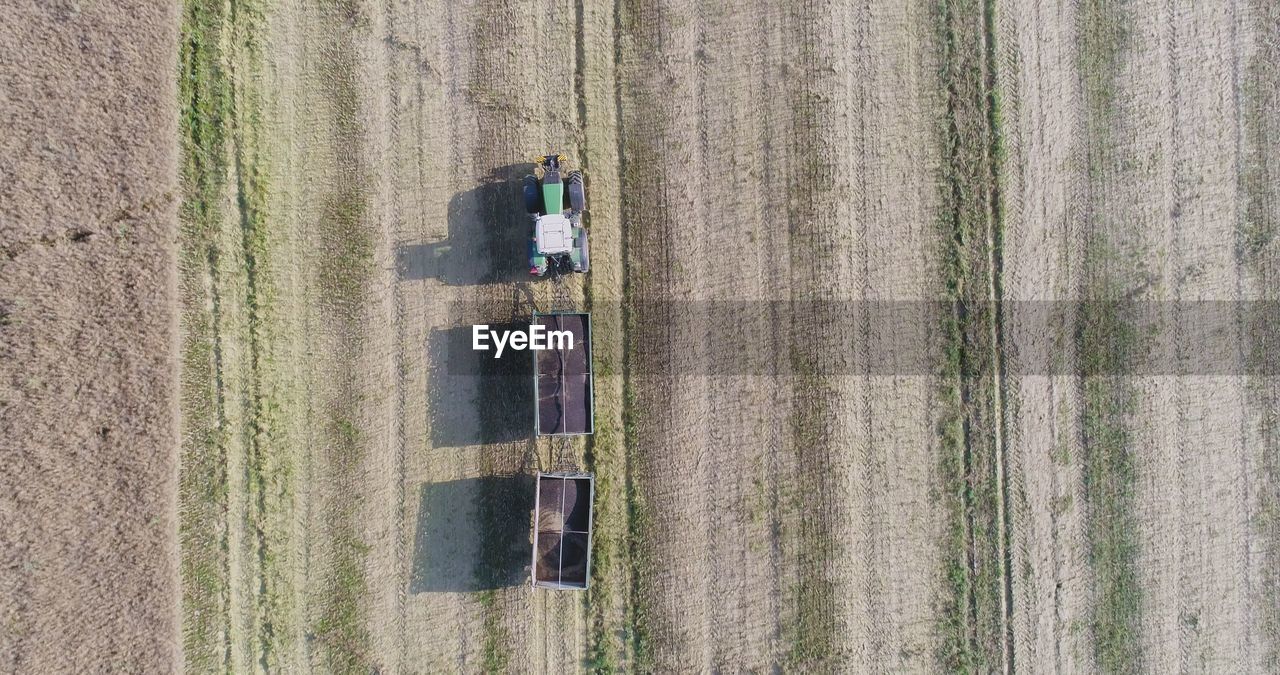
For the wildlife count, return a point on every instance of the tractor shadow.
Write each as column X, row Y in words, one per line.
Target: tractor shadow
column 488, row 236
column 473, row 535
column 476, row 399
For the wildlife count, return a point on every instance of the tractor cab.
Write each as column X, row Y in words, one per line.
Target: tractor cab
column 553, row 234
column 558, row 242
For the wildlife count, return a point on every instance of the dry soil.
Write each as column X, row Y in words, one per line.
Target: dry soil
column 88, row 325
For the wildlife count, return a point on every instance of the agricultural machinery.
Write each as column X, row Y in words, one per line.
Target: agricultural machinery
column 563, row 382
column 562, row 530
column 555, row 203
column 564, row 394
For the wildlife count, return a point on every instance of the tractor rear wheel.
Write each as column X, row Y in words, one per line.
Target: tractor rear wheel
column 577, row 197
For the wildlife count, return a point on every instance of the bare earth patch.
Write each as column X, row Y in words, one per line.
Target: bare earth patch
column 88, row 302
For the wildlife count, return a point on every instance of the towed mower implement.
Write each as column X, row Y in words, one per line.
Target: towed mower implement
column 562, row 531
column 563, row 384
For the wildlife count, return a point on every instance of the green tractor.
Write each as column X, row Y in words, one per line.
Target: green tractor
column 555, row 202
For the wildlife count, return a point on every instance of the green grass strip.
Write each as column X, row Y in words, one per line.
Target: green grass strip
column 1107, row 346
column 204, row 96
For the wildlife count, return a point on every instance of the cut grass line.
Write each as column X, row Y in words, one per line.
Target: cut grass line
column 203, row 492
column 267, row 459
column 974, row 623
column 1106, row 347
column 228, row 301
column 1259, row 243
column 340, row 629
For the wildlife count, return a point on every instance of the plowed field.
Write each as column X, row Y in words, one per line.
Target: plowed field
column 928, row 336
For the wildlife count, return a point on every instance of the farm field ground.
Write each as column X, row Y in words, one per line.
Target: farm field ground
column 929, row 336
column 88, row 320
column 821, row 442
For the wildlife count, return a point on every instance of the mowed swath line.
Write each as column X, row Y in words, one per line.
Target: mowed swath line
column 1045, row 197
column 974, row 620
column 1194, row 472
column 1217, row 464
column 203, row 491
column 696, row 450
column 743, row 425
column 348, row 432
column 889, row 251
column 704, row 447
column 237, row 306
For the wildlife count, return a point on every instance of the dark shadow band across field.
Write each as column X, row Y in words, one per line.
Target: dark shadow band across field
column 1178, row 337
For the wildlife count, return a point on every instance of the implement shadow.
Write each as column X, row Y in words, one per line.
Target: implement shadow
column 472, row 535
column 478, row 399
column 488, row 236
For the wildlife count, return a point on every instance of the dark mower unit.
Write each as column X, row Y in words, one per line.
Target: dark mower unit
column 562, row 531
column 555, row 203
column 563, row 384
